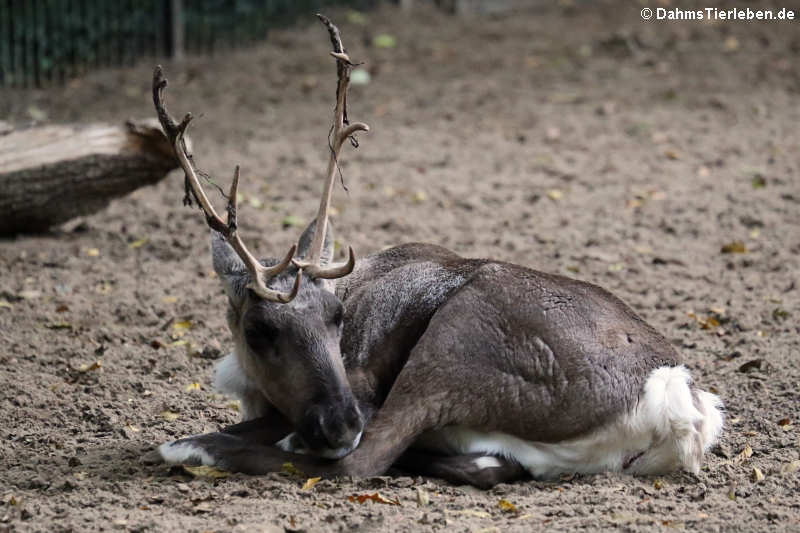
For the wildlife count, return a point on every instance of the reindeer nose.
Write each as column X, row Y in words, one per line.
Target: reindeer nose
column 342, row 426
column 335, row 426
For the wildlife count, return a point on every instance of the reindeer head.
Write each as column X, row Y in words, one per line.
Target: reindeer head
column 290, row 351
column 285, row 319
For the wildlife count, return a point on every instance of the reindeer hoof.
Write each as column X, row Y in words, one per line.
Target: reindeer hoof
column 153, row 457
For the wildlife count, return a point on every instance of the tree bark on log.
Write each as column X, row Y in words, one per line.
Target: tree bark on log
column 50, row 174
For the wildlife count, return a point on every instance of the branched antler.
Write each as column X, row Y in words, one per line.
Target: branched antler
column 341, row 131
column 175, row 132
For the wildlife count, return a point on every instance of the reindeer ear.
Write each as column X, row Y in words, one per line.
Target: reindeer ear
column 229, row 267
column 304, row 244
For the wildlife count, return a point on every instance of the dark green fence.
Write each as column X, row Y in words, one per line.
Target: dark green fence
column 48, row 41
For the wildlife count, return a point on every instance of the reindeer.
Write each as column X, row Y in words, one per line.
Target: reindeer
column 472, row 370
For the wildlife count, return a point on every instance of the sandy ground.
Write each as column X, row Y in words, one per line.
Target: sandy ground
column 584, row 142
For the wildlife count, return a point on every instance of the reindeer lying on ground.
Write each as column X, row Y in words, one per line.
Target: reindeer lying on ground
column 472, row 370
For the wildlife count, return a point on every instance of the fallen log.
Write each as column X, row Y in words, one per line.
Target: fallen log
column 50, row 174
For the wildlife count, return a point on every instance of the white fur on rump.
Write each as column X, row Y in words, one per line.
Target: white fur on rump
column 184, row 453
column 671, row 427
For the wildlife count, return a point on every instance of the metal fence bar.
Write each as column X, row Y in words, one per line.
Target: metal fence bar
column 5, row 63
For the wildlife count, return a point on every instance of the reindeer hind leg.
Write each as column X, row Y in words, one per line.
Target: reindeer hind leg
column 477, row 469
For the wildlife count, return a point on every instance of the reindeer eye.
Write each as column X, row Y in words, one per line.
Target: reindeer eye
column 261, row 336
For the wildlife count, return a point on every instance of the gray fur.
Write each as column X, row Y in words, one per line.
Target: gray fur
column 304, row 243
column 229, row 267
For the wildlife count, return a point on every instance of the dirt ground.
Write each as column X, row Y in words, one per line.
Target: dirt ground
column 581, row 141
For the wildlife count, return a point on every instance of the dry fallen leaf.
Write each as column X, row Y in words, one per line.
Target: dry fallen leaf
column 103, row 288
column 92, row 252
column 731, row 44
column 507, row 507
column 29, row 294
column 97, row 365
column 289, row 468
column 704, row 322
column 139, row 243
column 310, row 482
column 555, row 194
column 374, row 497
column 192, row 387
column 745, row 454
column 790, row 468
column 169, row 299
column 206, row 471
column 180, row 328
column 784, row 422
column 182, row 324
column 423, row 498
column 169, row 416
column 734, row 247
column 757, row 475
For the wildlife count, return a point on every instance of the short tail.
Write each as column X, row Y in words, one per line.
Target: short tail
column 688, row 421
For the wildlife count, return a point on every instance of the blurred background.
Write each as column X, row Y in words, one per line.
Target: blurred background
column 47, row 41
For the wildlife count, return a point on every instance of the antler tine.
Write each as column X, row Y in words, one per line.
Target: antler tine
column 342, row 130
column 259, row 274
column 339, row 270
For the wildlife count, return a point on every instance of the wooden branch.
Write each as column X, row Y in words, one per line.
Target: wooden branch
column 50, row 174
